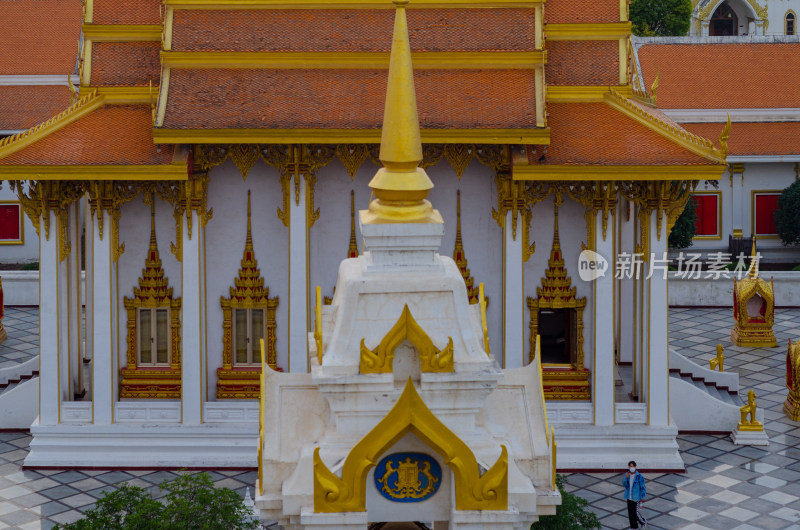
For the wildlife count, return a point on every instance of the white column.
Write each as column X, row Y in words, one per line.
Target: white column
column 658, row 339
column 192, row 324
column 737, row 200
column 64, row 313
column 103, row 343
column 625, row 307
column 49, row 343
column 298, row 282
column 87, row 292
column 513, row 294
column 603, row 371
column 74, row 267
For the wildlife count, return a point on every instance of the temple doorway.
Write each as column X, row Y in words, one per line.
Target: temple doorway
column 557, row 332
column 724, row 22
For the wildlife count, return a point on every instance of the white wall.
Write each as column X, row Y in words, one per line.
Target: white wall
column 29, row 250
column 225, row 238
column 572, row 232
column 134, row 232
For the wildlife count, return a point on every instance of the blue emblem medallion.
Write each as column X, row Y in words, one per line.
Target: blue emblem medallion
column 408, row 477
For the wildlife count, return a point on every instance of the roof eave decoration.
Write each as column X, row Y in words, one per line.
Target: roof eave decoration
column 80, row 108
column 532, row 136
column 690, row 142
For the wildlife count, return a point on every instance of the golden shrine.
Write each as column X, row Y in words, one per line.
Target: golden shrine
column 792, row 404
column 753, row 309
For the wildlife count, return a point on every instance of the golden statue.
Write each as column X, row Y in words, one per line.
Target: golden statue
column 753, row 309
column 750, row 410
column 717, row 361
column 792, row 404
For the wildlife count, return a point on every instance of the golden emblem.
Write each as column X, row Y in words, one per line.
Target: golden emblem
column 408, row 484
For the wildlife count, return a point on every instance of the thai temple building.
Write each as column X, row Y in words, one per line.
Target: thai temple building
column 212, row 168
column 763, row 157
column 725, row 18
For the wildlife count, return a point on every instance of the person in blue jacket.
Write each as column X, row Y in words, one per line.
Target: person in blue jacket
column 633, row 482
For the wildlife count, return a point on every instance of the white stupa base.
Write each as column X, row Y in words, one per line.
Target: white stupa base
column 749, row 437
column 590, row 447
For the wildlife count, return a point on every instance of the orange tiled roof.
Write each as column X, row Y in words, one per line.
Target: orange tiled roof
column 39, row 37
column 582, row 63
column 126, row 12
column 111, row 135
column 723, row 76
column 356, row 30
column 754, row 139
column 572, row 12
column 22, row 107
column 596, row 134
column 347, row 99
column 125, row 63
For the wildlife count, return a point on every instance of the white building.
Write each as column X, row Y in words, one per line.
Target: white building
column 723, row 18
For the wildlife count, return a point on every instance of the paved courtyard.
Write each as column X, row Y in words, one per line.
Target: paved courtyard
column 724, row 487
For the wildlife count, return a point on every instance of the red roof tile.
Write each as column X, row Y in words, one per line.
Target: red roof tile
column 347, row 99
column 754, row 139
column 572, row 12
column 126, row 12
column 39, row 37
column 125, row 63
column 595, row 134
column 22, row 107
column 111, row 135
column 723, row 76
column 357, row 30
column 582, row 63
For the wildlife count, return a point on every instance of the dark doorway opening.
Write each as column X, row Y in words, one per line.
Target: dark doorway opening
column 724, row 22
column 556, row 329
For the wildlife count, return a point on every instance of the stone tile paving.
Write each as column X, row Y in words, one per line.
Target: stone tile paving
column 724, row 487
column 22, row 327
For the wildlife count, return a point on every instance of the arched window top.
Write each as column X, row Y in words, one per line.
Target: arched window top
column 790, row 23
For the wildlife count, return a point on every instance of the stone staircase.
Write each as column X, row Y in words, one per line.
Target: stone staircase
column 19, row 395
column 702, row 400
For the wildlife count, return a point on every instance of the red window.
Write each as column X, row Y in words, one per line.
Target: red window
column 765, row 204
column 707, row 214
column 10, row 229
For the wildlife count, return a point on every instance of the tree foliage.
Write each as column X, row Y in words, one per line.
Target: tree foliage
column 570, row 515
column 661, row 18
column 787, row 216
column 685, row 227
column 192, row 502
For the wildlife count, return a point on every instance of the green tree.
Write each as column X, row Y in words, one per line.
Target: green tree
column 787, row 216
column 685, row 227
column 570, row 515
column 661, row 18
column 192, row 502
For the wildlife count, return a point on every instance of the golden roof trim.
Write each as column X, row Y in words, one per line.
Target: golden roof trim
column 361, row 60
column 80, row 108
column 550, row 172
column 343, row 4
column 122, row 32
column 531, row 136
column 691, row 142
column 591, row 31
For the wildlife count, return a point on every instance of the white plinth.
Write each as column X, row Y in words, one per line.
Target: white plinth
column 749, row 437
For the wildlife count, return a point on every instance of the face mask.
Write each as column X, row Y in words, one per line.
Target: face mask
column 632, row 469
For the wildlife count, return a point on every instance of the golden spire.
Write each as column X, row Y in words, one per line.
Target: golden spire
column 352, row 249
column 401, row 186
column 459, row 256
column 153, row 242
column 753, row 272
column 248, row 244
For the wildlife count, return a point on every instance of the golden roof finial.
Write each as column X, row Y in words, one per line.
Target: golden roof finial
column 753, row 272
column 401, row 186
column 654, row 88
column 723, row 138
column 153, row 241
column 352, row 248
column 249, row 239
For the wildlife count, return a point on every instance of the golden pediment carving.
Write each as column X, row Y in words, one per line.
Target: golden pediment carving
column 473, row 491
column 432, row 359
